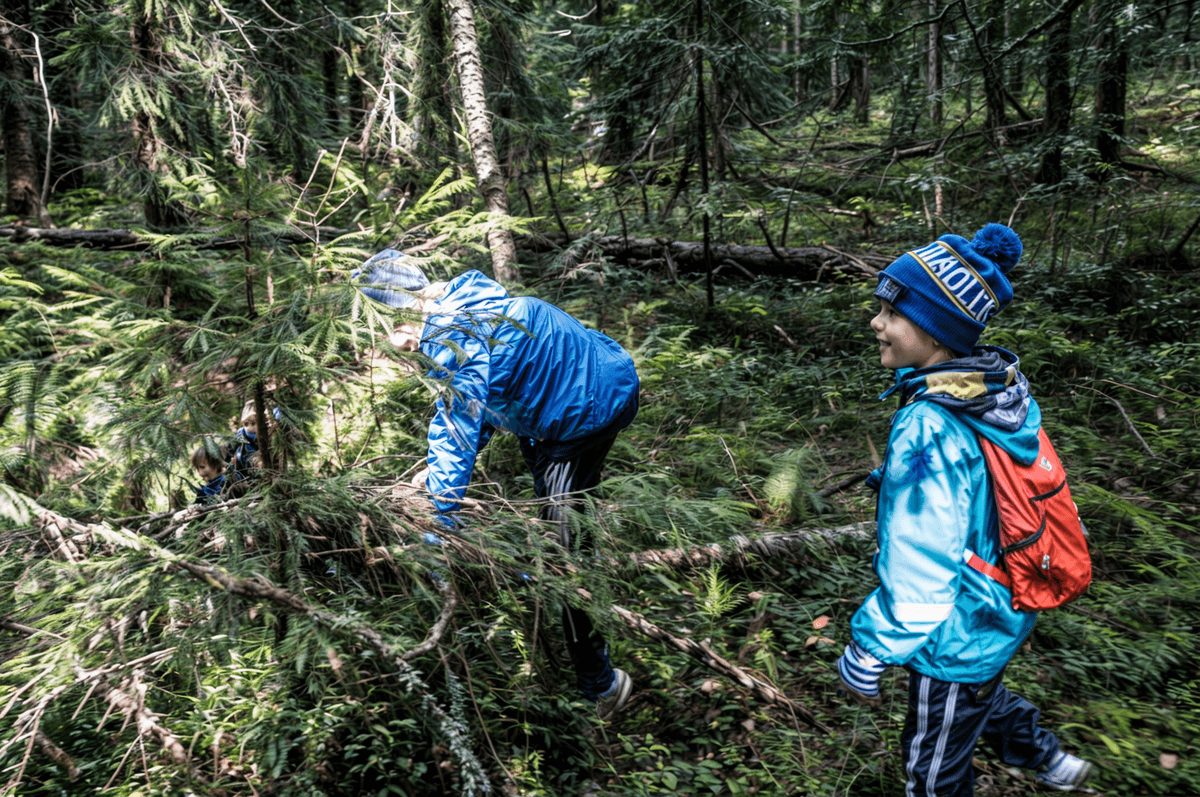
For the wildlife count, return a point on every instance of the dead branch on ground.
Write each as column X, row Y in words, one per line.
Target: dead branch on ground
column 57, row 755
column 740, row 550
column 687, row 257
column 767, row 692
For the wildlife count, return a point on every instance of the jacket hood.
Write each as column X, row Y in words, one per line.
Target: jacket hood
column 468, row 292
column 986, row 391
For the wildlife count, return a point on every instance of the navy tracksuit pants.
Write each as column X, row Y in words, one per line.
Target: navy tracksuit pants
column 559, row 470
column 946, row 719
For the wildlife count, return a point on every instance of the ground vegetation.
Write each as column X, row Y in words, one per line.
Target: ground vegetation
column 713, row 183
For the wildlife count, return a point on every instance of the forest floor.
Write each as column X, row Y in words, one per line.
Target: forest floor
column 268, row 640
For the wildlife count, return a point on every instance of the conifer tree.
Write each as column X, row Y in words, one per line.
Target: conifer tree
column 18, row 63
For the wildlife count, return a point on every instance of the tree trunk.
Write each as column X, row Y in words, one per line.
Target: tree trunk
column 68, row 164
column 1183, row 62
column 835, row 78
column 432, row 102
column 799, row 88
column 356, row 108
column 720, row 147
column 1109, row 106
column 160, row 212
column 933, row 66
column 20, row 156
column 860, row 88
column 993, row 71
column 329, row 75
column 1014, row 77
column 492, row 183
column 1058, row 98
column 703, row 152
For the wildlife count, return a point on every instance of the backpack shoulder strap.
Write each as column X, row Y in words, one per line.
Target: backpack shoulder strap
column 975, row 562
column 991, row 455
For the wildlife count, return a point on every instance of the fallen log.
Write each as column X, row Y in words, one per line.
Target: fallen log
column 679, row 257
column 925, row 149
column 57, row 755
column 129, row 697
column 740, row 550
column 136, row 241
column 687, row 257
column 68, row 539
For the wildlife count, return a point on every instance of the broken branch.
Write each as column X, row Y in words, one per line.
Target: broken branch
column 765, row 691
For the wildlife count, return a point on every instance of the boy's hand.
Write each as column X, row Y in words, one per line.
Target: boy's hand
column 859, row 673
column 420, row 479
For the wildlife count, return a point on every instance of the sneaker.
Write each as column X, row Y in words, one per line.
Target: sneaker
column 612, row 701
column 1065, row 772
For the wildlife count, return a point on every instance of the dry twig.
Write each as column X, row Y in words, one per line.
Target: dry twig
column 57, row 755
column 766, row 691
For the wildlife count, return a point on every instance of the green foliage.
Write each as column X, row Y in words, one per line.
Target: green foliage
column 116, row 364
column 788, row 487
column 736, row 434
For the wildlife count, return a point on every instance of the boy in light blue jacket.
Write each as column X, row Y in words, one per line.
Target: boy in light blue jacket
column 522, row 365
column 950, row 625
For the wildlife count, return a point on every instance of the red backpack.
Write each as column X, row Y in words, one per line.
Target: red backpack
column 1043, row 545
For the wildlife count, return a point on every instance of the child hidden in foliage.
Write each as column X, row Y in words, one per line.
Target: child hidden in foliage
column 523, row 365
column 953, row 628
column 245, row 458
column 211, row 470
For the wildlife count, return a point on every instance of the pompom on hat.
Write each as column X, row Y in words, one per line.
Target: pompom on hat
column 952, row 287
column 390, row 279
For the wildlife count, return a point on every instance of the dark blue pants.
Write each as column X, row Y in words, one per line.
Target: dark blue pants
column 559, row 474
column 944, row 722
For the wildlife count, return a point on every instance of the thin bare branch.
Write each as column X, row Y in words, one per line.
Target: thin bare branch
column 57, row 755
column 438, row 630
column 129, row 697
column 765, row 691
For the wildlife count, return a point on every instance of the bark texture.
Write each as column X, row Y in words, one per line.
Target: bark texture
column 1109, row 106
column 993, row 70
column 688, row 257
column 20, row 156
column 1058, row 98
column 492, row 183
column 933, row 64
column 160, row 211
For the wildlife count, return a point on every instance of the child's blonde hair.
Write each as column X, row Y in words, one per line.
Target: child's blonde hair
column 247, row 412
column 205, row 455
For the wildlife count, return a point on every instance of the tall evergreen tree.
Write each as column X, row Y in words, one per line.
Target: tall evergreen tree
column 17, row 65
column 1112, row 64
column 1057, row 117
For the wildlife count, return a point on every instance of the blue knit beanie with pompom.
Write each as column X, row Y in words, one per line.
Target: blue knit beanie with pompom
column 952, row 287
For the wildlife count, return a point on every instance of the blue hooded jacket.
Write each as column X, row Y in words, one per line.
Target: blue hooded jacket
column 520, row 364
column 210, row 492
column 932, row 612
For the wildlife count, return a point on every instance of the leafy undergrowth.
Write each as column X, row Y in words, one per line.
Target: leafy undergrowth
column 752, row 414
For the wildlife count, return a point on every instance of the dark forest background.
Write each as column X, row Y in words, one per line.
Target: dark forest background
column 713, row 183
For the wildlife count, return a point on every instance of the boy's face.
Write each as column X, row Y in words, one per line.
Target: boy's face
column 250, row 422
column 903, row 344
column 208, row 471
